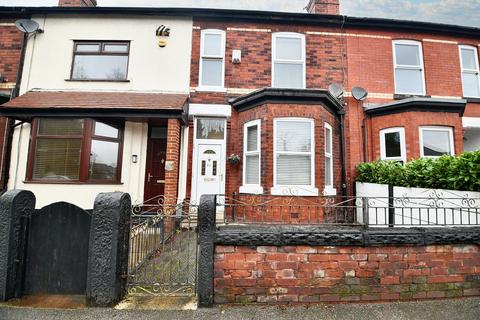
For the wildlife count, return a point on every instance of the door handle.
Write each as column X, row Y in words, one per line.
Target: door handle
column 149, row 177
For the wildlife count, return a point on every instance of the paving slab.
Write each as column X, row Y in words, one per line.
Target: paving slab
column 461, row 309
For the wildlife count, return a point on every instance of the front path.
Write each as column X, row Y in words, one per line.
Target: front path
column 465, row 309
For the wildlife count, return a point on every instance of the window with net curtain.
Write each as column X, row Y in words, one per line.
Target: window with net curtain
column 294, row 152
column 470, row 71
column 74, row 150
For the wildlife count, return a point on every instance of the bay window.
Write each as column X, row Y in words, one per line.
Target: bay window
column 251, row 158
column 294, row 171
column 74, row 150
column 288, row 60
column 470, row 71
column 212, row 60
column 392, row 144
column 408, row 64
column 436, row 141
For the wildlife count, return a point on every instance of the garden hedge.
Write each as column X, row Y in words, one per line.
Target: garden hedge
column 447, row 172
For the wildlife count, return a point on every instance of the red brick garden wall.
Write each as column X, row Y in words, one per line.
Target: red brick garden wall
column 268, row 274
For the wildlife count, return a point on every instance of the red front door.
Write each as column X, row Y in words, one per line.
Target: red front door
column 156, row 157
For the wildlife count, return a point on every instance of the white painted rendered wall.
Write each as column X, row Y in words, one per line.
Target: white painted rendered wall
column 418, row 206
column 151, row 68
column 83, row 195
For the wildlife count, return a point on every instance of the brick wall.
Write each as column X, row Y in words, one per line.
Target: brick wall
column 268, row 274
column 324, row 60
column 173, row 156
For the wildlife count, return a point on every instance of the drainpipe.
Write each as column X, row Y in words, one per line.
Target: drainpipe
column 364, row 138
column 342, row 152
column 7, row 148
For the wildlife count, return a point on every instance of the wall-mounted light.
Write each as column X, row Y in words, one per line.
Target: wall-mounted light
column 236, row 56
column 162, row 33
column 134, row 158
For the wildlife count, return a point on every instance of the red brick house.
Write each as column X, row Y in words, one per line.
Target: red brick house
column 268, row 75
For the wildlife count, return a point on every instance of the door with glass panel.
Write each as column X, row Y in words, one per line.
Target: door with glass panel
column 209, row 159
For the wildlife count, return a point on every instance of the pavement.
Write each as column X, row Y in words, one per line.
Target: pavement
column 461, row 309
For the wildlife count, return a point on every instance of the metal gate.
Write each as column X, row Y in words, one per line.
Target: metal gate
column 163, row 248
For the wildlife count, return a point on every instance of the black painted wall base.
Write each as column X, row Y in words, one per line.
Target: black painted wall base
column 342, row 236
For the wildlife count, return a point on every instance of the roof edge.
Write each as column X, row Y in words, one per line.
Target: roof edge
column 419, row 104
column 296, row 96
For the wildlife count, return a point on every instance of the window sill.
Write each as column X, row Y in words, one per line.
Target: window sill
column 95, row 80
column 211, row 89
column 329, row 191
column 251, row 189
column 301, row 191
column 400, row 96
column 73, row 182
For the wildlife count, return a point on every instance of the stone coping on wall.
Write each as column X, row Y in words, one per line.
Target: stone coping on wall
column 261, row 235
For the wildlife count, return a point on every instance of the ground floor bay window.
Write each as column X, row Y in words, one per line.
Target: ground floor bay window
column 74, row 150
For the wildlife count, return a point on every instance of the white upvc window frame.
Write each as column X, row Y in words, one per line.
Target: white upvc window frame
column 329, row 189
column 294, row 190
column 201, row 86
column 286, row 61
column 396, row 66
column 383, row 147
column 436, row 128
column 252, row 188
column 470, row 71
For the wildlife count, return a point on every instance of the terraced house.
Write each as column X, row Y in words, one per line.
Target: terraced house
column 269, row 111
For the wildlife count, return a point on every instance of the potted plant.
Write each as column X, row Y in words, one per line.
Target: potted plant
column 234, row 159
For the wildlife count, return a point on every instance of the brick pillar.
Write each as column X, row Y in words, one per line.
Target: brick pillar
column 77, row 3
column 172, row 161
column 324, row 6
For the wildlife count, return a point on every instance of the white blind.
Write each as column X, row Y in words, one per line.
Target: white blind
column 252, row 167
column 252, row 138
column 293, row 153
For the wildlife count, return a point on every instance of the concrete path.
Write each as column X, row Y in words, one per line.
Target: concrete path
column 461, row 309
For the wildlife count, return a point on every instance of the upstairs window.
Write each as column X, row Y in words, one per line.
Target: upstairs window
column 106, row 61
column 392, row 144
column 74, row 150
column 436, row 141
column 470, row 71
column 251, row 158
column 288, row 60
column 408, row 64
column 212, row 59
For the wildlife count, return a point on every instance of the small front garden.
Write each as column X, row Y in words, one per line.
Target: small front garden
column 447, row 172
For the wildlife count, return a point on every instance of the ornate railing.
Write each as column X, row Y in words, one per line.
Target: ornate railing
column 163, row 247
column 431, row 210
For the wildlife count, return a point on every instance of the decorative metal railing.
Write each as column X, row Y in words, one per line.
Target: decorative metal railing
column 349, row 211
column 163, row 248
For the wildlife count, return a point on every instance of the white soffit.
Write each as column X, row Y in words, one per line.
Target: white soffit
column 210, row 110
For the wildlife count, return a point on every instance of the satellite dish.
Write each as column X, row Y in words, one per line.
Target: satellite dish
column 359, row 93
column 27, row 26
column 336, row 90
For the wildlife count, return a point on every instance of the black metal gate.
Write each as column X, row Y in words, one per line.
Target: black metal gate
column 57, row 250
column 163, row 248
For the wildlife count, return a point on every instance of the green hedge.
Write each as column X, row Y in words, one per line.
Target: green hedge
column 448, row 172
